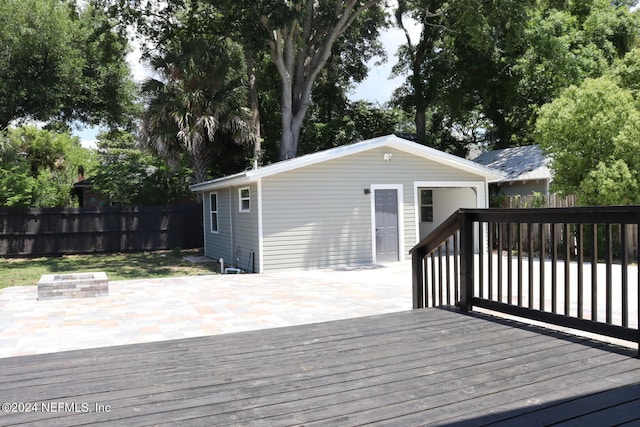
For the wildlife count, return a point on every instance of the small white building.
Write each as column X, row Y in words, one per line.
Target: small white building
column 364, row 203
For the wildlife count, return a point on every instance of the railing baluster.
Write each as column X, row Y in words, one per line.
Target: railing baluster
column 417, row 262
column 580, row 243
column 567, row 267
column 448, row 275
column 456, row 276
column 480, row 260
column 425, row 281
column 499, row 236
column 490, row 238
column 542, row 263
column 609, row 284
column 530, row 280
column 520, row 290
column 509, row 266
column 441, row 295
column 434, row 295
column 554, row 270
column 625, row 276
column 594, row 272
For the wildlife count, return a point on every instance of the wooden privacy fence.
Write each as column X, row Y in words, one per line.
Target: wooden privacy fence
column 59, row 231
column 534, row 201
column 555, row 201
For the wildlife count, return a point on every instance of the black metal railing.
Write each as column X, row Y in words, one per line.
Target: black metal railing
column 571, row 267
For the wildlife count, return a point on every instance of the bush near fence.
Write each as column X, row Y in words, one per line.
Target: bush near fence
column 537, row 200
column 60, row 231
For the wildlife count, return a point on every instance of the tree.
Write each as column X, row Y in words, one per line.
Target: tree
column 299, row 36
column 456, row 70
column 493, row 64
column 357, row 121
column 199, row 100
column 592, row 133
column 61, row 63
column 414, row 56
column 38, row 167
column 131, row 176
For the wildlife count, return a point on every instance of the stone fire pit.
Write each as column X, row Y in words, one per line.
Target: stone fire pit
column 74, row 285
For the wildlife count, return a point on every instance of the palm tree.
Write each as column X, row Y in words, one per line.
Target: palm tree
column 198, row 99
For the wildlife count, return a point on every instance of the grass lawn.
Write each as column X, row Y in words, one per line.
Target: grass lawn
column 27, row 271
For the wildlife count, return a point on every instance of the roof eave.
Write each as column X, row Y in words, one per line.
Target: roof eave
column 338, row 152
column 451, row 160
column 226, row 181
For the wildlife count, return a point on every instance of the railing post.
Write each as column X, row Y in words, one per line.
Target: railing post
column 418, row 278
column 466, row 261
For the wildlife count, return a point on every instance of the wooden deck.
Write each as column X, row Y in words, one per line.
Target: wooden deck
column 429, row 366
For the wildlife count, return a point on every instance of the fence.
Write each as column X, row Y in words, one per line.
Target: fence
column 59, row 231
column 580, row 278
column 534, row 201
column 555, row 201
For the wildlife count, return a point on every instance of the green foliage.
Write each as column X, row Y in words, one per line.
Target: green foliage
column 610, row 184
column 38, row 167
column 61, row 63
column 197, row 104
column 130, row 176
column 289, row 47
column 357, row 121
column 493, row 64
column 592, row 134
column 17, row 187
column 142, row 265
column 626, row 72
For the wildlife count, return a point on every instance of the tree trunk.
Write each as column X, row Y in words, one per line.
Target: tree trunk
column 421, row 124
column 255, row 104
column 299, row 58
column 418, row 55
column 288, row 142
column 199, row 159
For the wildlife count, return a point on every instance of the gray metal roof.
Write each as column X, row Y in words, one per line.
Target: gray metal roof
column 518, row 163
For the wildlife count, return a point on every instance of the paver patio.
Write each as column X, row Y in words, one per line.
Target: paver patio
column 139, row 311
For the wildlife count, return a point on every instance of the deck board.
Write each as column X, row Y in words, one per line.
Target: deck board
column 430, row 366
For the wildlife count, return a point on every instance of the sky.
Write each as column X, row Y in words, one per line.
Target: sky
column 376, row 88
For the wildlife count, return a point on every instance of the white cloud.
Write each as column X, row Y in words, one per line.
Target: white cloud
column 88, row 136
column 379, row 86
column 139, row 70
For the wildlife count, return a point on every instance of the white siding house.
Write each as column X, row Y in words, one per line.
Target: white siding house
column 363, row 203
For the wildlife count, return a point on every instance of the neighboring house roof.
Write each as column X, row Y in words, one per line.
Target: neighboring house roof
column 391, row 141
column 518, row 163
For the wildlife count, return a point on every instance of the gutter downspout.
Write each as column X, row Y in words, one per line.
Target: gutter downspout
column 260, row 230
column 204, row 219
column 231, row 224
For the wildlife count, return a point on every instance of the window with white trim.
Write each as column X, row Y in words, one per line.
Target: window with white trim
column 213, row 208
column 245, row 199
column 426, row 205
